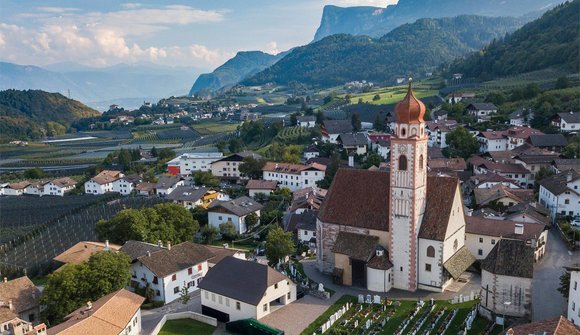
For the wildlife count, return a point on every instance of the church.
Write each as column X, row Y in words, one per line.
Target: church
column 402, row 229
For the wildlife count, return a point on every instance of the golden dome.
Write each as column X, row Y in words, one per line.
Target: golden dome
column 410, row 109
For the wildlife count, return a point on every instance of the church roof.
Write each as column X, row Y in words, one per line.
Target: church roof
column 440, row 195
column 458, row 263
column 360, row 198
column 357, row 246
column 410, row 109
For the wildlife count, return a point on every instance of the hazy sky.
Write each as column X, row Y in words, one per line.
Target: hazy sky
column 200, row 34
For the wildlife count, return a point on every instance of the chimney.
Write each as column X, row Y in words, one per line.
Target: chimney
column 351, row 161
column 5, row 279
column 168, row 245
column 10, row 305
column 107, row 244
column 159, row 244
column 148, row 253
column 519, row 229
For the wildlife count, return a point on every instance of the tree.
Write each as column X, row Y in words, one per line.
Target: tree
column 251, row 220
column 166, row 154
column 562, row 82
column 75, row 284
column 209, row 234
column 330, row 171
column 320, row 117
column 293, row 119
column 124, row 158
column 279, row 244
column 355, row 120
column 199, row 214
column 376, row 97
column 34, row 173
column 252, row 167
column 564, row 287
column 542, row 174
column 379, row 123
column 327, row 99
column 234, row 144
column 461, row 143
column 184, row 294
column 572, row 150
column 228, row 231
column 373, row 159
column 205, row 178
column 360, row 100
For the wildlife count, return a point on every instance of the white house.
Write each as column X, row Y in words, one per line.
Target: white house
column 306, row 121
column 126, row 184
column 188, row 163
column 332, row 128
column 166, row 184
column 459, row 96
column 167, row 269
column 506, row 280
column 560, row 193
column 236, row 289
column 102, row 182
column 193, row 196
column 353, row 143
column 228, row 167
column 294, row 176
column 16, row 188
column 35, row 188
column 233, row 211
column 574, row 294
column 261, row 187
column 517, row 172
column 492, row 141
column 567, row 122
column 311, row 152
column 114, row 314
column 482, row 234
column 438, row 130
column 521, row 117
column 59, row 186
column 482, row 111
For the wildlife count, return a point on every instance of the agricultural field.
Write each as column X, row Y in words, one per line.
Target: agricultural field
column 293, row 135
column 391, row 95
column 402, row 317
column 35, row 250
column 205, row 128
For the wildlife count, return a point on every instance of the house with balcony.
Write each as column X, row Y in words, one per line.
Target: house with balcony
column 482, row 111
column 566, row 122
column 438, row 130
column 189, row 163
column 228, row 167
column 560, row 193
column 294, row 176
column 102, row 182
column 233, row 211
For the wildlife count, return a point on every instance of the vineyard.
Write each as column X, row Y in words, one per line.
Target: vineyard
column 293, row 135
column 33, row 252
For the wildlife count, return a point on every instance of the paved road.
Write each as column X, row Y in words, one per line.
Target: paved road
column 547, row 302
column 150, row 318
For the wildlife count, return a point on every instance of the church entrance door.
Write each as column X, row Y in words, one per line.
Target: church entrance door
column 359, row 273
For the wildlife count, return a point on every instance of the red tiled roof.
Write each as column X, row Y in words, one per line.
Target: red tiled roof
column 556, row 326
column 440, row 194
column 262, row 184
column 503, row 228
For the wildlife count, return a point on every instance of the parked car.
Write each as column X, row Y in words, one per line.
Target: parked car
column 576, row 221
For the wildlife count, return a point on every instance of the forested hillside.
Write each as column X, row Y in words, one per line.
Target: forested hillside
column 33, row 114
column 551, row 41
column 410, row 50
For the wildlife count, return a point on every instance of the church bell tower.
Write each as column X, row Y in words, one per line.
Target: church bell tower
column 408, row 189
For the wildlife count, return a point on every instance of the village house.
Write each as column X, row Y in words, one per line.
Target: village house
column 492, row 141
column 233, row 211
column 17, row 326
column 102, row 182
column 482, row 111
column 304, row 225
column 560, row 193
column 193, row 196
column 383, row 148
column 356, row 144
column 363, row 227
column 482, row 234
column 517, row 172
column 306, row 121
column 534, row 161
column 566, row 122
column 126, row 184
column 187, row 164
column 307, row 198
column 574, row 294
column 552, row 142
column 506, row 280
column 330, row 129
column 116, row 313
column 531, row 212
column 16, row 188
column 294, row 176
column 521, row 117
column 19, row 299
column 556, row 326
column 440, row 115
column 445, row 165
column 500, row 196
column 265, row 187
column 166, row 270
column 311, row 152
column 438, row 130
column 145, row 189
column 254, row 291
column 456, row 97
column 82, row 251
column 59, row 186
column 560, row 165
column 35, row 188
column 228, row 167
column 167, row 184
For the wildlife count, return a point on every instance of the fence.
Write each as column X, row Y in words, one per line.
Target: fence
column 184, row 315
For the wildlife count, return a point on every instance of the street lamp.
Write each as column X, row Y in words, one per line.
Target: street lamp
column 506, row 304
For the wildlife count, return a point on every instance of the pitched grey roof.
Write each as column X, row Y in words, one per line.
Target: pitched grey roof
column 357, row 246
column 305, row 220
column 482, row 106
column 510, row 258
column 167, row 181
column 307, row 118
column 570, row 117
column 548, row 140
column 459, row 262
column 187, row 193
column 249, row 283
column 240, row 206
column 338, row 126
column 136, row 249
column 182, row 256
column 558, row 183
column 350, row 139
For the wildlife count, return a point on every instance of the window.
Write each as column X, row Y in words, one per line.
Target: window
column 220, row 300
column 492, row 241
column 428, row 267
column 228, row 302
column 176, row 289
column 481, row 240
column 31, row 317
column 480, row 252
column 288, row 296
column 155, row 280
column 189, row 271
column 238, row 305
column 174, row 277
column 207, row 295
column 157, row 293
column 402, row 163
column 265, row 307
column 213, row 297
column 567, row 201
column 276, row 286
column 421, row 162
column 455, row 245
column 430, row 251
column 199, row 267
column 575, row 285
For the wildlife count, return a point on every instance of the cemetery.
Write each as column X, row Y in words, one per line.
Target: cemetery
column 377, row 315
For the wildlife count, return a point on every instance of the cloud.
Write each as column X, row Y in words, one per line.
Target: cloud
column 271, row 48
column 105, row 38
column 131, row 5
column 374, row 3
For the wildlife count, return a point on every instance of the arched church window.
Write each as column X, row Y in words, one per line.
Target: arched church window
column 455, row 244
column 402, row 163
column 421, row 162
column 403, row 131
column 430, row 251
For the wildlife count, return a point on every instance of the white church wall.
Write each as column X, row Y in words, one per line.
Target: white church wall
column 455, row 229
column 430, row 269
column 379, row 280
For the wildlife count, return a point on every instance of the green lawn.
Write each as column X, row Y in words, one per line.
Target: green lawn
column 213, row 127
column 391, row 95
column 186, row 327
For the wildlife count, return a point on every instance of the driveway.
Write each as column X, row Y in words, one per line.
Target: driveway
column 150, row 318
column 547, row 302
